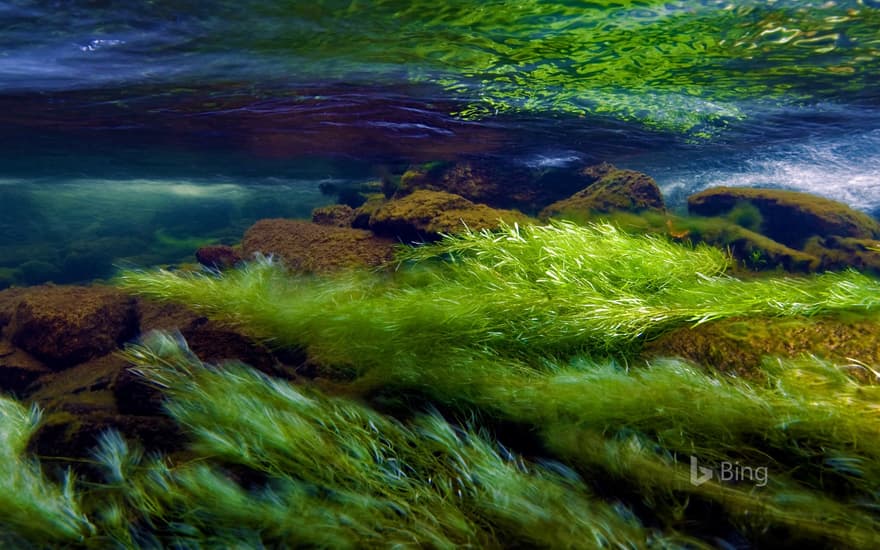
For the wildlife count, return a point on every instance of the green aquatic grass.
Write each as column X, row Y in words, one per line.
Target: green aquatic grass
column 811, row 425
column 271, row 464
column 32, row 509
column 497, row 322
column 522, row 291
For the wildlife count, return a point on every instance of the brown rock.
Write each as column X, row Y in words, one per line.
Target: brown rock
column 66, row 325
column 336, row 215
column 755, row 251
column 18, row 370
column 364, row 212
column 843, row 252
column 789, row 217
column 613, row 191
column 218, row 256
column 738, row 346
column 496, row 184
column 424, row 215
column 9, row 299
column 65, row 435
column 310, row 247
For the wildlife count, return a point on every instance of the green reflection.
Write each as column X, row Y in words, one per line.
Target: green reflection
column 672, row 65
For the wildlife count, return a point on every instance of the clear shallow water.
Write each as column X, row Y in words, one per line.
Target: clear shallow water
column 169, row 122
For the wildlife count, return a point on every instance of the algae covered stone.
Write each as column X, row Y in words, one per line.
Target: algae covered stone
column 493, row 183
column 310, row 247
column 336, row 215
column 424, row 215
column 789, row 217
column 614, row 190
column 67, row 325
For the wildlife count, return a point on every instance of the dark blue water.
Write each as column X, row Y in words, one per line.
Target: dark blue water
column 132, row 132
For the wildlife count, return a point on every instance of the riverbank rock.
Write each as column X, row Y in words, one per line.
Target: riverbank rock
column 424, row 215
column 218, row 256
column 66, row 325
column 613, row 190
column 789, row 217
column 309, row 247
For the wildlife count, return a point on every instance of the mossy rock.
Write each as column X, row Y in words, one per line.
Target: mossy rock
column 18, row 369
column 495, row 184
column 753, row 250
column 309, row 247
column 364, row 212
column 425, row 215
column 218, row 256
column 789, row 217
column 836, row 253
column 336, row 215
column 738, row 346
column 614, row 190
column 66, row 325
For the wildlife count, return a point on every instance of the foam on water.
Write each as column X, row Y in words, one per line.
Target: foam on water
column 845, row 168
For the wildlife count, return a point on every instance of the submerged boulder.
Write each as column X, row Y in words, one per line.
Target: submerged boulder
column 500, row 185
column 753, row 250
column 18, row 369
column 613, row 190
column 218, row 256
column 364, row 212
column 336, row 215
column 843, row 252
column 309, row 247
column 425, row 215
column 738, row 346
column 789, row 217
column 66, row 325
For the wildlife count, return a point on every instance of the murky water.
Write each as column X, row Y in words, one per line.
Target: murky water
column 131, row 132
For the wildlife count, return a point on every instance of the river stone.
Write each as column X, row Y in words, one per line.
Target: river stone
column 218, row 256
column 614, row 190
column 789, row 217
column 497, row 184
column 66, row 325
column 425, row 215
column 336, row 215
column 309, row 247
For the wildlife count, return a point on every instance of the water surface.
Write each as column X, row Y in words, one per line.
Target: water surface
column 131, row 132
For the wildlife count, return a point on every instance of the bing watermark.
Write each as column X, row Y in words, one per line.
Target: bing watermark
column 729, row 472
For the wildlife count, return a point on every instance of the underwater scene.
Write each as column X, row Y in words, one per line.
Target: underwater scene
column 460, row 274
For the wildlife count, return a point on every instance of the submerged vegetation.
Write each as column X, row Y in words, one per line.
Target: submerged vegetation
column 324, row 472
column 526, row 326
column 522, row 292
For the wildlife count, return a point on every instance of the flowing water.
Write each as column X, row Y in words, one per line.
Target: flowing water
column 134, row 131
